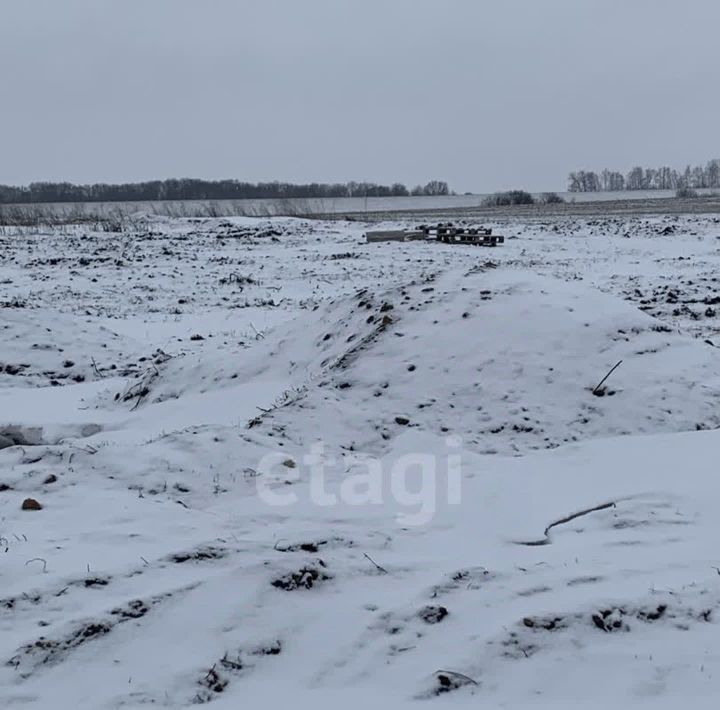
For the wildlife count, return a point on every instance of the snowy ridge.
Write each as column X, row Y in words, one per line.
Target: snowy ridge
column 506, row 360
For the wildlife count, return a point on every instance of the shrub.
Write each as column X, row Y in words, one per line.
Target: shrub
column 552, row 198
column 512, row 197
column 686, row 193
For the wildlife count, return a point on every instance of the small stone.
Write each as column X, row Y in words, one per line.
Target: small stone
column 402, row 421
column 52, row 478
column 31, row 504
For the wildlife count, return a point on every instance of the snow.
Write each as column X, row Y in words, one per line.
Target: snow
column 163, row 394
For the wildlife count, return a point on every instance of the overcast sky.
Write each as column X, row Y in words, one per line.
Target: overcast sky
column 484, row 94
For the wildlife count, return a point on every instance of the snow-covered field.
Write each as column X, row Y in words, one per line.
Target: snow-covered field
column 280, row 467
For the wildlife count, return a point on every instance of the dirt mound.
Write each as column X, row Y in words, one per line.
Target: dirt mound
column 508, row 362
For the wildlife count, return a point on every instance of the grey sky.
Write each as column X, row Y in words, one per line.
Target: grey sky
column 485, row 94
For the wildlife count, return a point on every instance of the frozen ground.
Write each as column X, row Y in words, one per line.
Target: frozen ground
column 161, row 393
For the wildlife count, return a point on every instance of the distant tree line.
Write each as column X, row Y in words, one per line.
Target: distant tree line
column 190, row 189
column 647, row 179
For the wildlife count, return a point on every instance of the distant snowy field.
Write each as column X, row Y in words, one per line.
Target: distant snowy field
column 487, row 527
column 311, row 206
